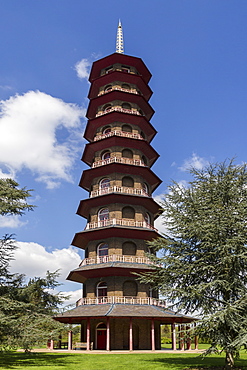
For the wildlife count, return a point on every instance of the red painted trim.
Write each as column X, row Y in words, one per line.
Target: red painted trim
column 123, row 59
column 106, row 119
column 122, row 77
column 101, row 200
column 125, row 142
column 98, row 172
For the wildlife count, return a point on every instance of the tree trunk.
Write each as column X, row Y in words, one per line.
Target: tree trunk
column 229, row 360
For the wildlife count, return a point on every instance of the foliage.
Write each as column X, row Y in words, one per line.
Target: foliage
column 26, row 312
column 204, row 255
column 26, row 309
column 13, row 199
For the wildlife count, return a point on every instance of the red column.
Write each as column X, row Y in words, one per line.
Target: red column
column 188, row 337
column 152, row 335
column 69, row 340
column 108, row 333
column 173, row 327
column 51, row 344
column 88, row 334
column 131, row 335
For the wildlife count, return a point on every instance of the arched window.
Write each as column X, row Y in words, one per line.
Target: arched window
column 128, row 212
column 145, row 187
column 129, row 249
column 125, row 69
column 147, row 218
column 126, row 128
column 101, row 290
column 106, row 130
column 126, row 106
column 127, row 153
column 105, row 155
column 107, row 107
column 103, row 217
column 101, row 326
column 130, row 289
column 126, row 86
column 109, row 69
column 102, row 250
column 144, row 160
column 104, row 185
column 108, row 88
column 127, row 182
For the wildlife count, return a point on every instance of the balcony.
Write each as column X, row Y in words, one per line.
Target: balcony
column 118, row 88
column 113, row 69
column 133, row 162
column 119, row 133
column 115, row 258
column 119, row 222
column 118, row 189
column 119, row 109
column 122, row 300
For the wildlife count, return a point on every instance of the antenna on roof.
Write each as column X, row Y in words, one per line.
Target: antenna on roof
column 119, row 43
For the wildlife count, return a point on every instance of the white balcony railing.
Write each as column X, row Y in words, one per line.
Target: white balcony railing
column 118, row 189
column 119, row 133
column 118, row 88
column 116, row 258
column 122, row 300
column 119, row 222
column 119, row 109
column 133, row 162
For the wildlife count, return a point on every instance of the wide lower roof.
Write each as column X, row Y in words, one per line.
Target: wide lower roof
column 79, row 313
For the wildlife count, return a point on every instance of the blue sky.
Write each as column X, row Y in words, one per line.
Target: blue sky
column 196, row 51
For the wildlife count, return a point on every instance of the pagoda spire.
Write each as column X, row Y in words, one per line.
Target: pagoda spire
column 119, row 42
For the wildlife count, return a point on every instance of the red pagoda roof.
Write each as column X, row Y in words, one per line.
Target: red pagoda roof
column 146, row 173
column 119, row 95
column 81, row 274
column 123, row 59
column 102, row 200
column 125, row 142
column 82, row 238
column 104, row 120
column 122, row 77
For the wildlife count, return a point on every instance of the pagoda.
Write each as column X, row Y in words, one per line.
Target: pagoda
column 116, row 310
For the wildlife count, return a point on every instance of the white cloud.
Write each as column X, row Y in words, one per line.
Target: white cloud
column 30, row 125
column 32, row 259
column 82, row 69
column 74, row 295
column 195, row 161
column 8, row 174
column 11, row 222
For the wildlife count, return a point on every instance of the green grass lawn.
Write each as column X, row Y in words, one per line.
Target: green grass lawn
column 83, row 361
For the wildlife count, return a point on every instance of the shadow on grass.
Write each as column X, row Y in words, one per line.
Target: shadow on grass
column 195, row 363
column 10, row 360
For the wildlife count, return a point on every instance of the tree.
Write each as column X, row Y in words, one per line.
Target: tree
column 13, row 201
column 26, row 309
column 204, row 254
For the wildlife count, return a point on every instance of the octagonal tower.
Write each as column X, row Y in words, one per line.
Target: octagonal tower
column 116, row 310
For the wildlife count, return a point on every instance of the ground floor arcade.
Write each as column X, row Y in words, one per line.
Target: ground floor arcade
column 127, row 327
